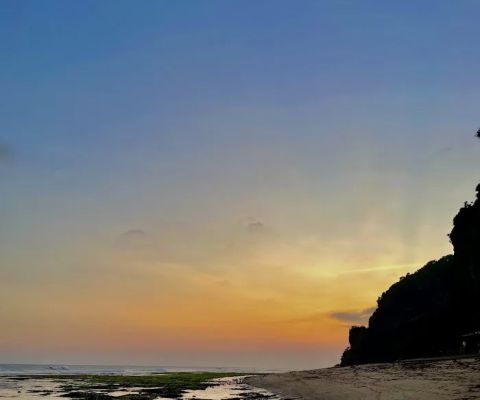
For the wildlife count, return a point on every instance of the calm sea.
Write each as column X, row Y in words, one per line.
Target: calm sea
column 14, row 369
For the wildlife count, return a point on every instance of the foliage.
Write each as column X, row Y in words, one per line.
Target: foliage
column 425, row 313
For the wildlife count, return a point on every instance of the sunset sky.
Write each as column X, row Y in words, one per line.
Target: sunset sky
column 224, row 183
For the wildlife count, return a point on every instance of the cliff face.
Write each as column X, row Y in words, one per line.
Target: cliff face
column 465, row 239
column 425, row 313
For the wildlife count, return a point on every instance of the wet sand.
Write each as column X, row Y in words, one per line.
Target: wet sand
column 419, row 380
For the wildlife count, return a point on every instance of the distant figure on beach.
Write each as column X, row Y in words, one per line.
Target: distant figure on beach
column 478, row 133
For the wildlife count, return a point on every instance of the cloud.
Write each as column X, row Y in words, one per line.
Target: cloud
column 133, row 238
column 353, row 316
column 6, row 152
column 132, row 233
column 255, row 226
column 441, row 153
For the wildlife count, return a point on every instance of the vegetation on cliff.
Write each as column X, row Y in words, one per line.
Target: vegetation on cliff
column 427, row 313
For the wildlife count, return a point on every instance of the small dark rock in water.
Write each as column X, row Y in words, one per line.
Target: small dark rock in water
column 41, row 392
column 138, row 396
column 160, row 391
column 104, row 396
column 87, row 395
column 256, row 396
column 166, row 391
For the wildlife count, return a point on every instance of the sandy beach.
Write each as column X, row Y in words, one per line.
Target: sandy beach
column 419, row 380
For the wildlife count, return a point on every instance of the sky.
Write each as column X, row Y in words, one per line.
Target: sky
column 234, row 183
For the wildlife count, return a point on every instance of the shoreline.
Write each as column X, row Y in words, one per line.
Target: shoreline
column 423, row 379
column 163, row 386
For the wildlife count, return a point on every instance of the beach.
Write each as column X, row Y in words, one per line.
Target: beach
column 419, row 380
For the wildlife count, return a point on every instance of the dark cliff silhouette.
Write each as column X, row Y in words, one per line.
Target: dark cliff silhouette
column 430, row 312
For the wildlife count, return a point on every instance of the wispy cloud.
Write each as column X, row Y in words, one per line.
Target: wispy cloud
column 133, row 238
column 353, row 316
column 407, row 267
column 134, row 233
column 255, row 226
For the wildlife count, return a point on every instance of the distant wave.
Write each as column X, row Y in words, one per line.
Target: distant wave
column 76, row 369
column 37, row 369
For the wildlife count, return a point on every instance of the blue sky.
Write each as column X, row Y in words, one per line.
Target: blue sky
column 344, row 129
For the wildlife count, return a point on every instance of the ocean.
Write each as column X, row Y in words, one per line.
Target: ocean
column 41, row 369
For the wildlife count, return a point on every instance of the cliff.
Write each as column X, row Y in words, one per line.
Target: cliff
column 426, row 313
